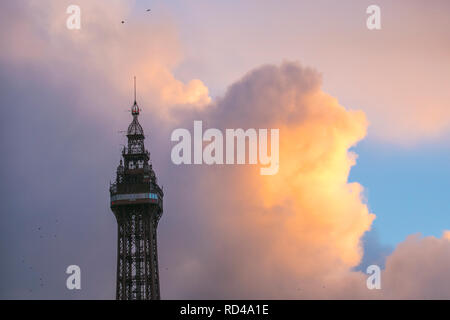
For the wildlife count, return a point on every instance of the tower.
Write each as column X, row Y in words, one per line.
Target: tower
column 137, row 203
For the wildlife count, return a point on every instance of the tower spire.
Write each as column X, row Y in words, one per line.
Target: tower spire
column 135, row 107
column 137, row 203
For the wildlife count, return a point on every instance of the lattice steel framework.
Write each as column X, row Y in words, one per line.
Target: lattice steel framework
column 137, row 203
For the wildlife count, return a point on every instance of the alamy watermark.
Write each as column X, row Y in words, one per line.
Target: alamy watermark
column 74, row 280
column 374, row 281
column 374, row 20
column 73, row 21
column 235, row 153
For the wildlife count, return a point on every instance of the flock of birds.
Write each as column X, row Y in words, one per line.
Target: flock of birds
column 148, row 10
column 41, row 236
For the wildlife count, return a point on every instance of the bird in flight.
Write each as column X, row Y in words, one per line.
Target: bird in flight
column 148, row 10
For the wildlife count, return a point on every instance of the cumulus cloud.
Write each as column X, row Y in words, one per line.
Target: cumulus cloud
column 297, row 234
column 300, row 228
column 418, row 269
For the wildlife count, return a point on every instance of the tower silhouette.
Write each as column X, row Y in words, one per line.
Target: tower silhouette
column 137, row 203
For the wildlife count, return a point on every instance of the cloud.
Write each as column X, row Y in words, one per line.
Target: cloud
column 418, row 269
column 298, row 234
column 103, row 52
column 398, row 75
column 298, row 229
column 374, row 251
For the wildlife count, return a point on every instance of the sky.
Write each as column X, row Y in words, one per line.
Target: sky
column 364, row 121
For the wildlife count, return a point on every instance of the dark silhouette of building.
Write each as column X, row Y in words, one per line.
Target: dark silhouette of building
column 137, row 203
